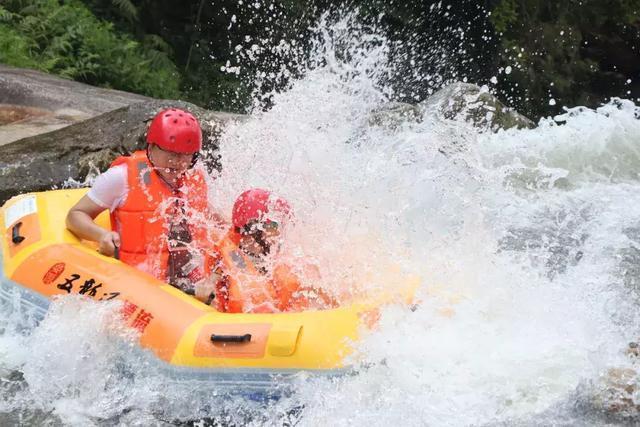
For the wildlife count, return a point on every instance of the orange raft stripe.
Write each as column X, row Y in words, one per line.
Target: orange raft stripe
column 29, row 229
column 255, row 348
column 162, row 315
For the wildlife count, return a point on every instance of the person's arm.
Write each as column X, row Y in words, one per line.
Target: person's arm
column 80, row 222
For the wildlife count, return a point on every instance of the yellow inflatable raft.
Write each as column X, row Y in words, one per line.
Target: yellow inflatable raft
column 42, row 259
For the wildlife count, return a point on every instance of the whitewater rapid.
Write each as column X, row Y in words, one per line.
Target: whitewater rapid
column 526, row 244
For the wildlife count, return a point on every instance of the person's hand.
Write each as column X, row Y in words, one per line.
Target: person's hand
column 264, row 308
column 205, row 287
column 108, row 243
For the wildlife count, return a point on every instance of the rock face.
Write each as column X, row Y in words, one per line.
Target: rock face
column 32, row 102
column 459, row 101
column 50, row 160
column 54, row 130
column 614, row 394
column 476, row 105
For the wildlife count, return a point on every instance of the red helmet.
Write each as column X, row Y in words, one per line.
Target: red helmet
column 175, row 130
column 255, row 204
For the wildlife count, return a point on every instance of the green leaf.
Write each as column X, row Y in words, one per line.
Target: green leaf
column 127, row 9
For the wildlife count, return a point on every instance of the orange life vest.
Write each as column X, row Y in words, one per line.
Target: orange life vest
column 151, row 209
column 242, row 288
column 245, row 288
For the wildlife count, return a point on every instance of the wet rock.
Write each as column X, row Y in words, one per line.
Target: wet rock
column 22, row 86
column 476, row 105
column 459, row 101
column 617, row 397
column 50, row 160
column 32, row 102
column 394, row 114
column 11, row 382
column 14, row 113
column 615, row 394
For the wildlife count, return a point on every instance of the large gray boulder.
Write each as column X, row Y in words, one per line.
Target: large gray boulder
column 53, row 159
column 32, row 102
column 476, row 105
column 458, row 101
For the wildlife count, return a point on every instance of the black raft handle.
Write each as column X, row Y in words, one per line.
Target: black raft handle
column 231, row 338
column 15, row 234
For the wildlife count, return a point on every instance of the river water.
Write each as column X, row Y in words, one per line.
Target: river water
column 526, row 243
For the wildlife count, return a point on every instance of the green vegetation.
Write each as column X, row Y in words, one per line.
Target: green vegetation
column 66, row 38
column 574, row 52
column 577, row 52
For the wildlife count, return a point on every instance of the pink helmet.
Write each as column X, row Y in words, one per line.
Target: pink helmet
column 256, row 204
column 175, row 130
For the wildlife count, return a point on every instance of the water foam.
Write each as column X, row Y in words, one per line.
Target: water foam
column 516, row 236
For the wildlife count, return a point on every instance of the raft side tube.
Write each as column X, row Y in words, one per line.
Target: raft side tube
column 228, row 381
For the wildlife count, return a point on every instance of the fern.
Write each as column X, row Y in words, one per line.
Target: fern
column 127, row 9
column 155, row 42
column 15, row 49
column 65, row 38
column 504, row 15
column 6, row 16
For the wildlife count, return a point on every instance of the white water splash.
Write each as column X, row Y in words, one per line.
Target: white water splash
column 524, row 227
column 517, row 236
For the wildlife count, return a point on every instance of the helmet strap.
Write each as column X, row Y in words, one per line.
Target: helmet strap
column 194, row 160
